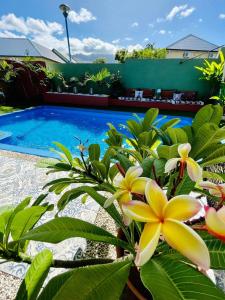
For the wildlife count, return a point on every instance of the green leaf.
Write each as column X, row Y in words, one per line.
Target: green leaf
column 99, row 168
column 167, row 152
column 168, row 278
column 185, row 186
column 214, row 176
column 177, row 135
column 94, row 152
column 65, row 151
column 35, row 276
column 169, row 124
column 92, row 283
column 149, row 118
column 60, row 229
column 24, row 220
column 19, row 208
column 217, row 155
column 124, row 161
column 207, row 114
column 207, row 135
column 146, row 165
column 216, row 250
column 134, row 127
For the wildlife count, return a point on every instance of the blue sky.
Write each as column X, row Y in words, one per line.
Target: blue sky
column 100, row 27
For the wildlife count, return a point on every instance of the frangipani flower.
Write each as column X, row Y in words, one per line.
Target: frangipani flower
column 131, row 183
column 193, row 169
column 163, row 217
column 217, row 190
column 215, row 222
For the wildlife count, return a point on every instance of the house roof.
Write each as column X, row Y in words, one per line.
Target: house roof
column 22, row 47
column 194, row 43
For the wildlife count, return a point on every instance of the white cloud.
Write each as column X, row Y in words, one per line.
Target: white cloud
column 130, row 48
column 200, row 20
column 51, row 35
column 83, row 15
column 128, row 38
column 222, row 16
column 175, row 11
column 160, row 20
column 116, row 41
column 181, row 11
column 135, row 24
column 11, row 22
column 187, row 12
column 146, row 40
column 162, row 31
column 9, row 34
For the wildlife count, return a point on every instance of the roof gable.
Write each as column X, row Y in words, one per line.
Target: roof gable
column 21, row 47
column 192, row 42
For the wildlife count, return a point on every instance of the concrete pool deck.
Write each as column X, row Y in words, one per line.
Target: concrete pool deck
column 19, row 178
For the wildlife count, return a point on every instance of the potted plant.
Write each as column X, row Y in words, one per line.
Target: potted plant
column 54, row 79
column 212, row 71
column 167, row 239
column 98, row 79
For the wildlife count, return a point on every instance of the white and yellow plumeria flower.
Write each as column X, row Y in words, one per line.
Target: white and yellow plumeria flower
column 163, row 217
column 193, row 169
column 217, row 190
column 215, row 222
column 132, row 183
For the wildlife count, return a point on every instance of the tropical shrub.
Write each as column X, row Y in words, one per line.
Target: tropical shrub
column 212, row 71
column 53, row 78
column 98, row 79
column 149, row 52
column 166, row 234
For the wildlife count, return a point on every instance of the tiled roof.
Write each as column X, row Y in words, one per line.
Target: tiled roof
column 192, row 42
column 19, row 47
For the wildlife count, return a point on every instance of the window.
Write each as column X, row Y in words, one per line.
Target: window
column 186, row 54
column 212, row 55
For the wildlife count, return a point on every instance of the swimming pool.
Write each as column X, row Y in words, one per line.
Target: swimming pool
column 33, row 130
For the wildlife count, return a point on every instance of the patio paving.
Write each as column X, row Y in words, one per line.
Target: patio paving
column 19, row 178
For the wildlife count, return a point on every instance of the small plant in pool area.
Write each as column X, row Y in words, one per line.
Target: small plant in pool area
column 99, row 79
column 54, row 79
column 155, row 183
column 212, row 71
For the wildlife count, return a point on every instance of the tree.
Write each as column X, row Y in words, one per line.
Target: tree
column 100, row 60
column 121, row 55
column 149, row 52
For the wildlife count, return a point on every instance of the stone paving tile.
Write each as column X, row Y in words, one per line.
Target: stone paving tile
column 19, row 178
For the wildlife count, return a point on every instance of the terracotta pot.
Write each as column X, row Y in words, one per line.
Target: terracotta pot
column 134, row 289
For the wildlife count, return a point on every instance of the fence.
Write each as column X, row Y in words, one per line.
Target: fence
column 155, row 73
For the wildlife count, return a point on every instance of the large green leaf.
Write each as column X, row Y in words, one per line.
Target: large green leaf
column 35, row 276
column 167, row 152
column 207, row 135
column 19, row 208
column 170, row 123
column 218, row 154
column 99, row 282
column 66, row 155
column 60, row 229
column 124, row 161
column 94, row 152
column 25, row 220
column 207, row 114
column 185, row 186
column 167, row 278
column 216, row 249
column 149, row 118
column 177, row 135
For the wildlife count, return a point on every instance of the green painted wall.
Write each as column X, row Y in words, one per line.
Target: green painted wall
column 160, row 73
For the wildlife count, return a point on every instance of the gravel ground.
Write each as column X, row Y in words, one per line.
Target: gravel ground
column 8, row 286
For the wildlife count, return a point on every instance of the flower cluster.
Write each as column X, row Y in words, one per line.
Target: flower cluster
column 141, row 199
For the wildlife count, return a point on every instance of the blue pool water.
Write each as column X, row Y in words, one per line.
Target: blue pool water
column 34, row 130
